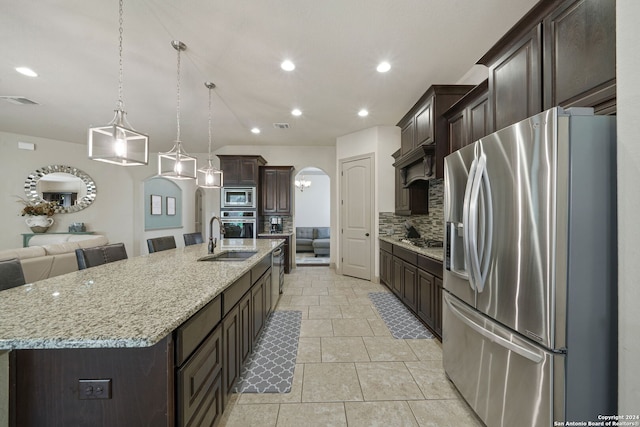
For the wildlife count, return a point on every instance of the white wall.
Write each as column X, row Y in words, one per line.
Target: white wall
column 628, row 64
column 382, row 141
column 313, row 205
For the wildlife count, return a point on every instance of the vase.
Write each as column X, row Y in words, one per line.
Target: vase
column 39, row 223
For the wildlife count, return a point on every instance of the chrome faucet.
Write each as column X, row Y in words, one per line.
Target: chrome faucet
column 213, row 242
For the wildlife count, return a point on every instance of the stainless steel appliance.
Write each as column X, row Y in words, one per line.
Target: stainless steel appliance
column 238, row 197
column 239, row 224
column 276, row 224
column 277, row 275
column 529, row 310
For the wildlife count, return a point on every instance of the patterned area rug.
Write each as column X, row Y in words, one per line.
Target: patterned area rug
column 270, row 367
column 400, row 321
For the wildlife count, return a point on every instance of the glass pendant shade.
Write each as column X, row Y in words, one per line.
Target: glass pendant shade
column 210, row 177
column 118, row 144
column 177, row 164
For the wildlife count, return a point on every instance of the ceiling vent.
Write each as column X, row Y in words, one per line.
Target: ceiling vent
column 18, row 100
column 281, row 125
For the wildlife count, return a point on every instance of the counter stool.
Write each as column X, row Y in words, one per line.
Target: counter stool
column 11, row 274
column 161, row 244
column 98, row 255
column 192, row 238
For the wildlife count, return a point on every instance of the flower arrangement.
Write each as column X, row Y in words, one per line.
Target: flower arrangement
column 38, row 208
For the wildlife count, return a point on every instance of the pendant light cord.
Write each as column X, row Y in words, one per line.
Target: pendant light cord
column 178, row 99
column 209, row 125
column 120, row 104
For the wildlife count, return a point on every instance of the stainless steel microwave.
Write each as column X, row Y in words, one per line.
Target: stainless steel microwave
column 238, row 197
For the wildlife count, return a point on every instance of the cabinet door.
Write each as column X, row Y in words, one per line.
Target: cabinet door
column 257, row 304
column 437, row 301
column 426, row 298
column 199, row 400
column 409, row 280
column 385, row 268
column 269, row 188
column 580, row 53
column 402, row 195
column 457, row 137
column 246, row 338
column 515, row 81
column 424, row 124
column 231, row 170
column 248, row 172
column 407, row 137
column 231, row 352
column 267, row 295
column 283, row 190
column 397, row 271
column 478, row 124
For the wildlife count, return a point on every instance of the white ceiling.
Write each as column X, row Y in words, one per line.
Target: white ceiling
column 237, row 44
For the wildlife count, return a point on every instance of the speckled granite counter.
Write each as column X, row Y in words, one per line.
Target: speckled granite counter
column 130, row 303
column 435, row 253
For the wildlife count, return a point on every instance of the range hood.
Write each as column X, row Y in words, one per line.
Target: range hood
column 417, row 166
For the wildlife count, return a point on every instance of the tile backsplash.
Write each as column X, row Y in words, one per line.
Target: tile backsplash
column 265, row 224
column 430, row 226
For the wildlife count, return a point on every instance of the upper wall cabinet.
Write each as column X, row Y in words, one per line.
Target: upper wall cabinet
column 580, row 55
column 469, row 118
column 241, row 171
column 424, row 130
column 275, row 190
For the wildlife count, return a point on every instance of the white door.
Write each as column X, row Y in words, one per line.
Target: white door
column 356, row 211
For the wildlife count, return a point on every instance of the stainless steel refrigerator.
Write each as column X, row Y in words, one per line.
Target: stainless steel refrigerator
column 529, row 310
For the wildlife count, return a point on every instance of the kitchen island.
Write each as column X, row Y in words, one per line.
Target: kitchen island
column 152, row 340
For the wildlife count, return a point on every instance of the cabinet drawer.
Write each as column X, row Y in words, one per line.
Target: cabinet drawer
column 386, row 246
column 199, row 385
column 190, row 334
column 234, row 293
column 406, row 255
column 431, row 265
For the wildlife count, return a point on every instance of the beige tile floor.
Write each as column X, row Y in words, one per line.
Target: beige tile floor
column 350, row 371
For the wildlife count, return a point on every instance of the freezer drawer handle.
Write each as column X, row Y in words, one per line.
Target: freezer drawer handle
column 534, row 357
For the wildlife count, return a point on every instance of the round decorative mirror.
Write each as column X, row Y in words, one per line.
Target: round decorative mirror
column 71, row 187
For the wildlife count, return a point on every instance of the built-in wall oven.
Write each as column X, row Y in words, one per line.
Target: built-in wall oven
column 239, row 224
column 238, row 198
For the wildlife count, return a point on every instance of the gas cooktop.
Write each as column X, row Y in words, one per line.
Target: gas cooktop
column 420, row 242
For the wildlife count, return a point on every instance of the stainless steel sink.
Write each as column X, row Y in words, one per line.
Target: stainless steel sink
column 229, row 256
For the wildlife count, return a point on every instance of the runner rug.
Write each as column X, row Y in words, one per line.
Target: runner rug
column 270, row 367
column 400, row 321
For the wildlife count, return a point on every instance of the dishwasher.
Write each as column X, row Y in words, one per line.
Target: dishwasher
column 277, row 275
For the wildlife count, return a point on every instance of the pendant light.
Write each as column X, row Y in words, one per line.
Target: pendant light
column 117, row 142
column 209, row 177
column 302, row 183
column 176, row 163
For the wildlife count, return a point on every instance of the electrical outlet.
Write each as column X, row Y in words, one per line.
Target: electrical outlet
column 94, row 389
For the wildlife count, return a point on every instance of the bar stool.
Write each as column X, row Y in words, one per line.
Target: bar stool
column 192, row 238
column 90, row 257
column 11, row 274
column 161, row 244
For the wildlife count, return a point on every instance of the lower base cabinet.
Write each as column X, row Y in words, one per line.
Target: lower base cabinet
column 184, row 380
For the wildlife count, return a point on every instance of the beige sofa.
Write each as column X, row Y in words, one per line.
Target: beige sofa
column 42, row 262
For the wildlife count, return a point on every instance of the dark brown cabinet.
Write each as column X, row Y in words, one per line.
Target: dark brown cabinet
column 412, row 200
column 469, row 118
column 580, row 54
column 386, row 263
column 423, row 131
column 246, row 343
column 409, row 282
column 397, row 281
column 231, row 352
column 275, row 190
column 258, row 301
column 241, row 171
column 426, row 298
column 515, row 81
column 438, row 307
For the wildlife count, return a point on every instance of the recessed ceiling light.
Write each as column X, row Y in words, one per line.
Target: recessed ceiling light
column 26, row 71
column 363, row 113
column 296, row 112
column 383, row 67
column 288, row 65
column 255, row 130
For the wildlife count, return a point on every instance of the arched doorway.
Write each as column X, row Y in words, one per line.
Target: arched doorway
column 312, row 217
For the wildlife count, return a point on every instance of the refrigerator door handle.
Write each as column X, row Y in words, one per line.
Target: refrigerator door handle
column 484, row 251
column 524, row 352
column 466, row 222
column 471, row 222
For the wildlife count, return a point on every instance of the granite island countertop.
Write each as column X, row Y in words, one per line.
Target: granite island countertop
column 435, row 253
column 130, row 303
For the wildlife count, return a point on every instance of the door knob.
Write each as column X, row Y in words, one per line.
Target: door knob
column 367, row 234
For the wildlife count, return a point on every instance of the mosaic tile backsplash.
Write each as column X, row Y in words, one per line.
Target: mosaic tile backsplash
column 265, row 224
column 430, row 226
